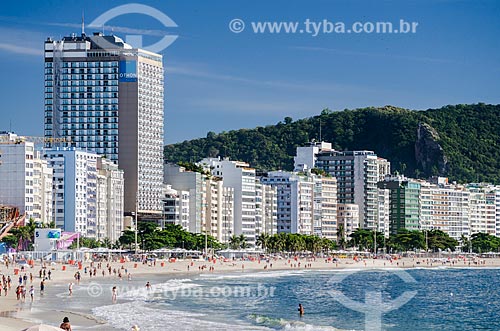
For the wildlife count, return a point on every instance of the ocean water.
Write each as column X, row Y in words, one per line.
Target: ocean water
column 441, row 299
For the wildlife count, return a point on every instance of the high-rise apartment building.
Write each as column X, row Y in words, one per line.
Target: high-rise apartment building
column 210, row 202
column 241, row 177
column 450, row 209
column 357, row 174
column 42, row 189
column 107, row 97
column 74, row 190
column 219, row 221
column 325, row 207
column 175, row 207
column 306, row 203
column 383, row 212
column 109, row 200
column 347, row 219
column 17, row 174
column 482, row 211
column 266, row 207
column 87, row 193
column 404, row 197
column 295, row 213
column 192, row 182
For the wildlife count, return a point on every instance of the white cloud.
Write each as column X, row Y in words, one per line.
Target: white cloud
column 193, row 70
column 371, row 54
column 113, row 28
column 21, row 49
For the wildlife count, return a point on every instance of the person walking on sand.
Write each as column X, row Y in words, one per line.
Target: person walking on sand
column 65, row 324
column 32, row 293
column 301, row 310
column 70, row 288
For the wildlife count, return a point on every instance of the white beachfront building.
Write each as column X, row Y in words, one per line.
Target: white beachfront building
column 17, row 174
column 241, row 178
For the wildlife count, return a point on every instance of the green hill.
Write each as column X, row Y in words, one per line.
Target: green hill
column 461, row 142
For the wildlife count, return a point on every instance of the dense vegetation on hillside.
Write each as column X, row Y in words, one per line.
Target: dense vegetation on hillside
column 469, row 136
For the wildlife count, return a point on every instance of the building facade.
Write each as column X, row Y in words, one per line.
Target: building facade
column 17, row 175
column 110, row 199
column 266, row 207
column 194, row 183
column 404, row 197
column 175, row 207
column 347, row 220
column 42, row 190
column 241, row 178
column 219, row 221
column 74, row 190
column 325, row 207
column 357, row 174
column 107, row 97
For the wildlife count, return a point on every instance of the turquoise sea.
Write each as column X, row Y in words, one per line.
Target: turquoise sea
column 444, row 299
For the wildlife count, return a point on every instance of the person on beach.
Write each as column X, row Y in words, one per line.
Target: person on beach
column 65, row 324
column 301, row 310
column 70, row 288
column 32, row 293
column 113, row 294
column 42, row 287
column 148, row 286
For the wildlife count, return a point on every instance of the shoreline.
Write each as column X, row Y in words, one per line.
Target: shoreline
column 15, row 316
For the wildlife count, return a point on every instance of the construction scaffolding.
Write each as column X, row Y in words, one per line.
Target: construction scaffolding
column 7, row 139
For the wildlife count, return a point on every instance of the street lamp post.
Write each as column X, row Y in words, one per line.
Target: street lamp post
column 135, row 227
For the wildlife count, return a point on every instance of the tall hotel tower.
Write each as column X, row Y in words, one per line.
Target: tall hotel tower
column 107, row 97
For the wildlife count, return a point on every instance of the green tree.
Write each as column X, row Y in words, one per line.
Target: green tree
column 439, row 240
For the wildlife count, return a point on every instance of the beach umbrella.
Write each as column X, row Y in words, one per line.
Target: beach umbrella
column 42, row 327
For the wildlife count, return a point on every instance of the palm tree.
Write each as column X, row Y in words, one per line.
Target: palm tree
column 341, row 236
column 106, row 242
column 243, row 241
column 234, row 242
column 263, row 240
column 281, row 242
column 465, row 243
column 313, row 243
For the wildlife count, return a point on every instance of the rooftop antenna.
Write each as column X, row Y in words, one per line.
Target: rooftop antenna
column 83, row 22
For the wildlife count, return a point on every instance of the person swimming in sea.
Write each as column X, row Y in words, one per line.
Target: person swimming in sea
column 301, row 309
column 65, row 325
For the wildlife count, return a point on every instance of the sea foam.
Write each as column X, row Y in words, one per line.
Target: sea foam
column 124, row 316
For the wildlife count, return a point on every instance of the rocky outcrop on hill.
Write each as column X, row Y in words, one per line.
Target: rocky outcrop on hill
column 429, row 154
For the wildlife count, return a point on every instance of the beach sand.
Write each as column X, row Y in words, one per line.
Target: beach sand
column 16, row 316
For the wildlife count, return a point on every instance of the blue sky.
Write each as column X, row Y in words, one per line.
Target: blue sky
column 217, row 80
